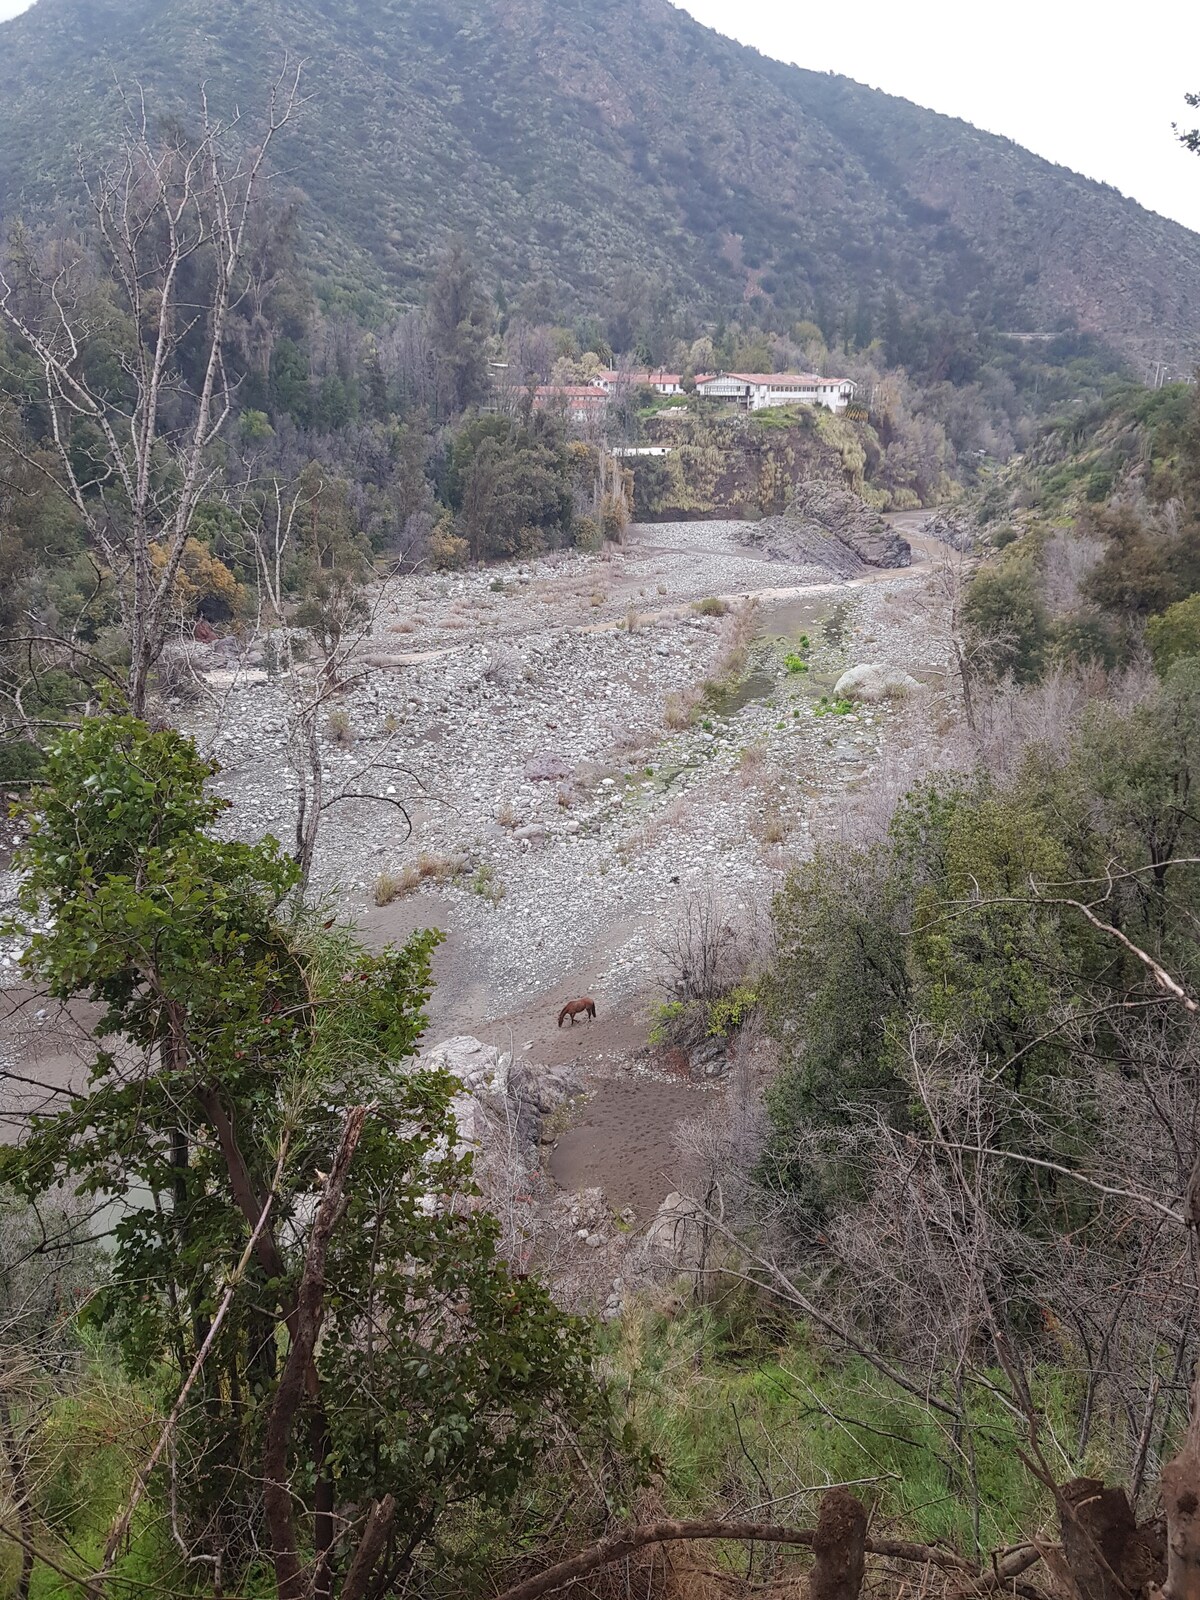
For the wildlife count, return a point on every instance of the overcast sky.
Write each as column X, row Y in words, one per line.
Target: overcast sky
column 1094, row 84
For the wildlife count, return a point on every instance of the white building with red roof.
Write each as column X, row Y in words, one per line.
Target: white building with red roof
column 661, row 382
column 756, row 390
column 579, row 401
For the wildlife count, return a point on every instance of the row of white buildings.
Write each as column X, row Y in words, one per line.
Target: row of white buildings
column 753, row 390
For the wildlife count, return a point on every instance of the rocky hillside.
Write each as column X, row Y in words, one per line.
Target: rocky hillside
column 747, row 466
column 608, row 155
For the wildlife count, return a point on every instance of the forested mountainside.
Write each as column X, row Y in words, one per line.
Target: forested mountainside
column 601, row 154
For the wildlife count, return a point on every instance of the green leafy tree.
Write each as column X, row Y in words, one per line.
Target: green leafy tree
column 459, row 324
column 1175, row 633
column 1143, row 570
column 331, row 567
column 511, row 485
column 1006, row 623
column 297, row 1250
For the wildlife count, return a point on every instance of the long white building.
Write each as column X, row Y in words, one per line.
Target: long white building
column 756, row 390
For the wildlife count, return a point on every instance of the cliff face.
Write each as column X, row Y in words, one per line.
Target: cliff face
column 605, row 155
column 748, row 466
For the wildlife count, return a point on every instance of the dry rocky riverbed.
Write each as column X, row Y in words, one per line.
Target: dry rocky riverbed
column 533, row 719
column 530, row 706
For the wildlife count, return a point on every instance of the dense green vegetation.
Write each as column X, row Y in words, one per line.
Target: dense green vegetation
column 292, row 1229
column 1096, row 536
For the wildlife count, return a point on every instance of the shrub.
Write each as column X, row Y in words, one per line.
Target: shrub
column 666, row 1016
column 20, row 762
column 679, row 709
column 338, row 725
column 589, row 536
column 711, row 607
column 728, row 1013
column 614, row 517
column 486, row 884
column 1175, row 632
column 447, row 550
column 794, row 662
column 774, row 828
column 1006, row 622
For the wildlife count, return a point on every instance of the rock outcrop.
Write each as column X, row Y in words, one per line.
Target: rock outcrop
column 953, row 528
column 676, row 1237
column 832, row 526
column 504, row 1103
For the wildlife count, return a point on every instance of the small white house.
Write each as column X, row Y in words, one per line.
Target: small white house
column 661, row 382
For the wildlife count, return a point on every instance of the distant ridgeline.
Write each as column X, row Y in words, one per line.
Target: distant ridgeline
column 609, row 157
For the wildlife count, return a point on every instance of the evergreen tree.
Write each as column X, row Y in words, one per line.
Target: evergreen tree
column 459, row 322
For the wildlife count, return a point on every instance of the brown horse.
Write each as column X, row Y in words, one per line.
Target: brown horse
column 577, row 1008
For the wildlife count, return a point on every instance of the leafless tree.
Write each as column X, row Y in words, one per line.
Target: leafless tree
column 272, row 517
column 703, row 954
column 173, row 219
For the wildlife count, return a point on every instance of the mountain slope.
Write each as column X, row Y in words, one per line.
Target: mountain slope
column 602, row 153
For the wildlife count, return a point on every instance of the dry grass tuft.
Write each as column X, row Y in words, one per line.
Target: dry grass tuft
column 751, row 762
column 773, row 829
column 404, row 625
column 679, row 708
column 338, row 724
column 391, row 886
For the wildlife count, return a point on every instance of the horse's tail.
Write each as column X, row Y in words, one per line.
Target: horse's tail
column 591, row 1005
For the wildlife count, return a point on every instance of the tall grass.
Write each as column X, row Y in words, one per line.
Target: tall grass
column 745, row 1409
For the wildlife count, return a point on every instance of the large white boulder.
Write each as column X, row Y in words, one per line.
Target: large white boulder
column 872, row 683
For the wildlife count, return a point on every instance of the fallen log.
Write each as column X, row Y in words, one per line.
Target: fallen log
column 839, row 1534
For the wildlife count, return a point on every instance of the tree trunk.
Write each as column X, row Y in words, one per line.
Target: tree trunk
column 20, row 1498
column 1181, row 1501
column 299, row 1376
column 839, row 1546
column 1097, row 1524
